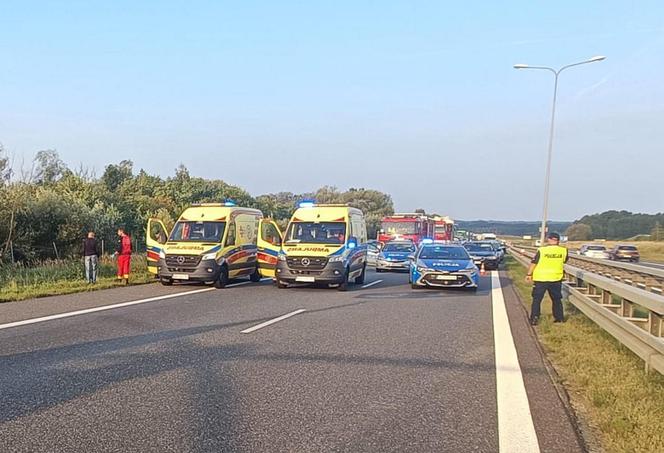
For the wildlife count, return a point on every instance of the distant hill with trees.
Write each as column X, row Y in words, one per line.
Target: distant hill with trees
column 515, row 228
column 618, row 225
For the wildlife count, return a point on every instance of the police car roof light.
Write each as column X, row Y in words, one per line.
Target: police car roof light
column 427, row 241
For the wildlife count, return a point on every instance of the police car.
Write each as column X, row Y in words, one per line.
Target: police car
column 394, row 256
column 442, row 265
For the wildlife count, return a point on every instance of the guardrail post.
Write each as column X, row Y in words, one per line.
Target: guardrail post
column 626, row 309
column 656, row 324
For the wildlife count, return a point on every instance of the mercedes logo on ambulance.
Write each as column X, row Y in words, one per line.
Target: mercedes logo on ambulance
column 305, row 262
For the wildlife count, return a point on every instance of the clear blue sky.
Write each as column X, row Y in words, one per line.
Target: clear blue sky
column 418, row 99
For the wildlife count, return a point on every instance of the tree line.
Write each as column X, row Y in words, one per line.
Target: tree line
column 618, row 225
column 46, row 210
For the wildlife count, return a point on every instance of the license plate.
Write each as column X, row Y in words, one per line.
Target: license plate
column 180, row 276
column 305, row 279
column 446, row 277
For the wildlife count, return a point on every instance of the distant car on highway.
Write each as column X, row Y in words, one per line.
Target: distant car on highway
column 624, row 253
column 594, row 251
column 483, row 253
column 442, row 266
column 394, row 256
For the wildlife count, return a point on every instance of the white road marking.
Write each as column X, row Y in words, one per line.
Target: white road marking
column 272, row 321
column 110, row 307
column 96, row 309
column 516, row 431
column 368, row 285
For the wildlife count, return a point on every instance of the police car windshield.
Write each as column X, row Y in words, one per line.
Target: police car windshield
column 190, row 231
column 316, row 233
column 391, row 247
column 479, row 247
column 399, row 227
column 441, row 252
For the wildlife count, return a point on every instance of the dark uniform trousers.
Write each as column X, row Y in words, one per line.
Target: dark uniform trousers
column 555, row 293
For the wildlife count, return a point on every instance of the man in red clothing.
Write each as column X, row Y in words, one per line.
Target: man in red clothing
column 123, row 253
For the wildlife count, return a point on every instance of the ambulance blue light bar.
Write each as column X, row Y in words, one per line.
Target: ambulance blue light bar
column 306, row 204
column 427, row 241
column 230, row 203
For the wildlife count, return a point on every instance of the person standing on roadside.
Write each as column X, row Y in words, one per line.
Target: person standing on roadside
column 546, row 273
column 91, row 257
column 123, row 253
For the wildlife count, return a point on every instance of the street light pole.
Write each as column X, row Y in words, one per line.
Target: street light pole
column 547, row 177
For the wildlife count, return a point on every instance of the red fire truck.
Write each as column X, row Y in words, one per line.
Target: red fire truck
column 406, row 226
column 444, row 229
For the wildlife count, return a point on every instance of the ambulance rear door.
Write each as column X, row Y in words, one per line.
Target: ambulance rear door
column 156, row 237
column 269, row 244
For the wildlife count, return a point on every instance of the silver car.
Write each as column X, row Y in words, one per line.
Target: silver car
column 594, row 251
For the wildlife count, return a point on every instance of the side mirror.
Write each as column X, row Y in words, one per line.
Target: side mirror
column 352, row 242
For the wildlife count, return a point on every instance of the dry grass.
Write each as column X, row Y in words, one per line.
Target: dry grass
column 63, row 277
column 604, row 379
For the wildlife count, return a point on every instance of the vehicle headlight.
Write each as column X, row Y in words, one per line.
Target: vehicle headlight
column 209, row 256
column 337, row 259
column 422, row 269
column 162, row 254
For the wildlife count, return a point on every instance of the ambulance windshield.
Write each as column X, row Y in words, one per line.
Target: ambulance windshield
column 316, row 233
column 189, row 231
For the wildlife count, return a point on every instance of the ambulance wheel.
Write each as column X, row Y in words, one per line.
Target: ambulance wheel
column 343, row 286
column 222, row 281
column 166, row 281
column 360, row 279
column 256, row 276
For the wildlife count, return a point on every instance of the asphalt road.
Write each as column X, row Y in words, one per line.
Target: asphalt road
column 377, row 369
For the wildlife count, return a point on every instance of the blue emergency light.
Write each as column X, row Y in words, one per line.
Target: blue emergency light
column 306, row 204
column 427, row 241
column 229, row 203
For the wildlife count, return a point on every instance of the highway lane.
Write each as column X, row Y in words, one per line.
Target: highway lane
column 382, row 368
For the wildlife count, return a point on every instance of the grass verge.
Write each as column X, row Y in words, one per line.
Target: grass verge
column 606, row 382
column 64, row 277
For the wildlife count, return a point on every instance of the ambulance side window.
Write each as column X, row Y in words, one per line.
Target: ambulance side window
column 269, row 233
column 230, row 238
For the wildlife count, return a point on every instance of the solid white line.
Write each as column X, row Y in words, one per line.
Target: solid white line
column 516, row 431
column 372, row 283
column 96, row 309
column 272, row 321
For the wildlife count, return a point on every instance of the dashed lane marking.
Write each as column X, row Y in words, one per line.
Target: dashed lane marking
column 272, row 321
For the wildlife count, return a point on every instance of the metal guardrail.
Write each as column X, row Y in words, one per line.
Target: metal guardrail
column 632, row 315
column 648, row 278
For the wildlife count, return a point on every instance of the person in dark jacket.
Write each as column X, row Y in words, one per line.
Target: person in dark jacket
column 91, row 257
column 123, row 253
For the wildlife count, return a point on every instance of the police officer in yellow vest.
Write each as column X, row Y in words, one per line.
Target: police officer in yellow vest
column 546, row 271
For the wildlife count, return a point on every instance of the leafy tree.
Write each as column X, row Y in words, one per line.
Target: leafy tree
column 657, row 233
column 48, row 167
column 579, row 232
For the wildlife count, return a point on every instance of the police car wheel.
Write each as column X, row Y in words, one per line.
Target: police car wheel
column 343, row 286
column 360, row 279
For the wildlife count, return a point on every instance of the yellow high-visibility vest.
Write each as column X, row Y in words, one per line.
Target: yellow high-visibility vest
column 549, row 268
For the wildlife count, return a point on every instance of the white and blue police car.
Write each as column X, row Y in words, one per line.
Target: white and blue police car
column 442, row 265
column 394, row 256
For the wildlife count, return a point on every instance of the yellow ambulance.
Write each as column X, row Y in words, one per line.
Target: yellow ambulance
column 324, row 244
column 213, row 243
